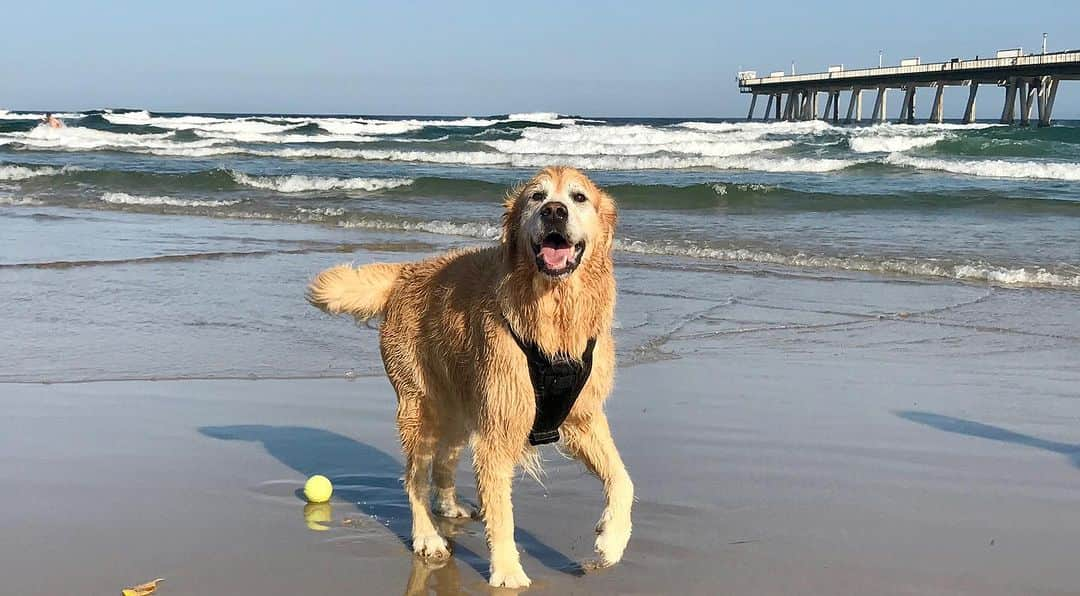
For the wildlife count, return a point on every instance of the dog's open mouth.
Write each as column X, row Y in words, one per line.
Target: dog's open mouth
column 556, row 257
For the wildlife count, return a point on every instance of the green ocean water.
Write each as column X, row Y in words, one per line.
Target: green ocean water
column 980, row 203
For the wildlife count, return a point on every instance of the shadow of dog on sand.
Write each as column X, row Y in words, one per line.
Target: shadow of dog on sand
column 993, row 433
column 370, row 479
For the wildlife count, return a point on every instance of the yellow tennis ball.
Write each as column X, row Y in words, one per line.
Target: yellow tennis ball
column 318, row 489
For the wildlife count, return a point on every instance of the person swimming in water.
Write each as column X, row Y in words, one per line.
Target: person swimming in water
column 52, row 121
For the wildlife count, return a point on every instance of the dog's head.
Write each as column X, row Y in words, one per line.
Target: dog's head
column 558, row 222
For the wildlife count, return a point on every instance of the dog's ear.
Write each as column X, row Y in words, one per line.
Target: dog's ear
column 511, row 223
column 609, row 217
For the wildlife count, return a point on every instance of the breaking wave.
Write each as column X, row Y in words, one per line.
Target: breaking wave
column 301, row 183
column 980, row 272
column 484, row 231
column 603, row 162
column 122, row 198
column 891, row 144
column 995, row 168
column 628, row 141
column 8, row 172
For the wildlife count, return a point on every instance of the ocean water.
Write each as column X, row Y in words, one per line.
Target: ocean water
column 979, row 203
column 129, row 229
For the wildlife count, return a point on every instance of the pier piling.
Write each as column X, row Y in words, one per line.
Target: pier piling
column 879, row 106
column 855, row 95
column 936, row 114
column 969, row 112
column 907, row 110
column 1029, row 89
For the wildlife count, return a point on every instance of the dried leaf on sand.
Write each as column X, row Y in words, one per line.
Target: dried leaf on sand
column 142, row 589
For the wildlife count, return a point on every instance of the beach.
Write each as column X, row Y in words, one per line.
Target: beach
column 838, row 372
column 788, row 433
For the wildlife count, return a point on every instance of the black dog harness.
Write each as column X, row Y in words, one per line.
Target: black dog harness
column 556, row 382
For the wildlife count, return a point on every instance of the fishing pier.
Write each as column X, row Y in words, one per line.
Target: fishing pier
column 1030, row 81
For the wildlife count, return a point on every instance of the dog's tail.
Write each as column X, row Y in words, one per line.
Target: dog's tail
column 361, row 292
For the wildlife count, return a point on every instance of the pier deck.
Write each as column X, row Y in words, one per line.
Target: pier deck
column 1030, row 81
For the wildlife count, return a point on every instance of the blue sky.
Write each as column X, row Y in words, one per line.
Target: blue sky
column 470, row 57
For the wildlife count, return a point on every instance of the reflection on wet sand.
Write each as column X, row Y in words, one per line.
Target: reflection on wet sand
column 369, row 479
column 442, row 578
column 317, row 515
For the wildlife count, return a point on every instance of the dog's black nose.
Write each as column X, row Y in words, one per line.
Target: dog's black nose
column 554, row 211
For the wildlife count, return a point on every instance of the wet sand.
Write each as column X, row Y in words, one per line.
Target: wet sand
column 789, row 432
column 876, row 438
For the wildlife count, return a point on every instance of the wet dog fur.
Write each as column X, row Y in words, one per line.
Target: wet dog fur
column 460, row 377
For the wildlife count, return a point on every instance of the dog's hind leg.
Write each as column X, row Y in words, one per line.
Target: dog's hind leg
column 589, row 440
column 418, row 444
column 444, row 472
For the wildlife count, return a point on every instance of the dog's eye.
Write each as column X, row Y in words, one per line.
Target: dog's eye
column 579, row 197
column 538, row 196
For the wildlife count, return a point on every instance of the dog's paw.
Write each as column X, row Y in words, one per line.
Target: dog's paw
column 611, row 539
column 514, row 577
column 431, row 546
column 453, row 508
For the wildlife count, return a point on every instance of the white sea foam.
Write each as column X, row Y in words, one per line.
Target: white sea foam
column 11, row 201
column 629, row 140
column 481, row 230
column 532, row 147
column 660, row 162
column 6, row 115
column 301, row 183
column 207, row 123
column 891, row 144
column 248, row 125
column 881, row 138
column 625, row 151
column 140, row 117
column 283, row 138
column 537, row 116
column 318, row 213
column 485, row 231
column 341, row 126
column 995, row 168
column 608, row 162
column 1014, row 276
column 763, row 128
column 632, row 134
column 365, row 126
column 450, row 157
column 22, row 173
column 122, row 198
column 88, row 139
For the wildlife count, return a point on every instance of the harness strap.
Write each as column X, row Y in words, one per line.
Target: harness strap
column 557, row 382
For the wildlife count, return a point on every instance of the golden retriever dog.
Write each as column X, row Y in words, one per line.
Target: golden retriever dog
column 476, row 344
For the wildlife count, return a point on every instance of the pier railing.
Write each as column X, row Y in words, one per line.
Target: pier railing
column 954, row 67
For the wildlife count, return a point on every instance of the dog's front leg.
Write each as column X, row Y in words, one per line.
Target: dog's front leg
column 589, row 440
column 494, row 468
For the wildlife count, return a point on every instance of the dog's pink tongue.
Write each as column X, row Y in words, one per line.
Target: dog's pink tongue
column 555, row 258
